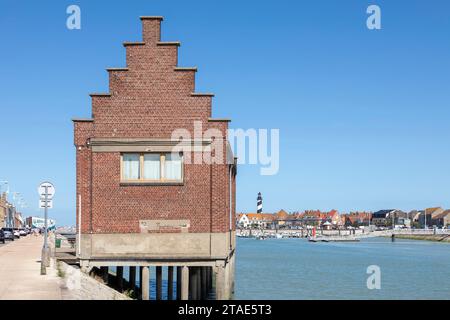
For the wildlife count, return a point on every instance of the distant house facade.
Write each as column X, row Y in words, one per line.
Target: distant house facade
column 19, row 222
column 390, row 217
column 255, row 220
column 426, row 216
column 313, row 218
column 7, row 213
column 281, row 218
column 242, row 220
column 383, row 218
column 3, row 210
column 414, row 216
column 401, row 218
column 357, row 219
column 335, row 219
column 441, row 220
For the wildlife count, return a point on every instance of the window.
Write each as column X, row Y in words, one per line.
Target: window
column 152, row 167
column 131, row 166
column 172, row 167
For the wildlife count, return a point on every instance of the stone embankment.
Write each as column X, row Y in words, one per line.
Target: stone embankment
column 432, row 237
column 78, row 285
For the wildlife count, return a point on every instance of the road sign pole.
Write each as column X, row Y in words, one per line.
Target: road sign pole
column 47, row 190
column 45, row 219
column 44, row 257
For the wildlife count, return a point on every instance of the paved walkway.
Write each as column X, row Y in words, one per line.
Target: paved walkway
column 20, row 272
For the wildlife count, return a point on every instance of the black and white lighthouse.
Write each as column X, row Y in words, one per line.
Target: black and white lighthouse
column 259, row 203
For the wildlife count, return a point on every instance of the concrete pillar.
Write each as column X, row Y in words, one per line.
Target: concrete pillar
column 145, row 283
column 232, row 268
column 179, row 283
column 105, row 274
column 119, row 278
column 132, row 280
column 227, row 281
column 158, row 283
column 170, row 283
column 184, row 283
column 221, row 285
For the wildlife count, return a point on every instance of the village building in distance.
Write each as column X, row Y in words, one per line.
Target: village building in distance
column 10, row 216
column 435, row 218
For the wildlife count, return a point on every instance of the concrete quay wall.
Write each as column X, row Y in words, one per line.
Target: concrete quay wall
column 81, row 286
column 436, row 237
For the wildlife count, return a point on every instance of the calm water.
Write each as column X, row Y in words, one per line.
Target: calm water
column 298, row 269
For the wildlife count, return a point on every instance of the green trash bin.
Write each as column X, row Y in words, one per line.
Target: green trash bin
column 58, row 243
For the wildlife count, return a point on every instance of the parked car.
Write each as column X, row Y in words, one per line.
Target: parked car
column 2, row 236
column 16, row 233
column 9, row 233
column 22, row 232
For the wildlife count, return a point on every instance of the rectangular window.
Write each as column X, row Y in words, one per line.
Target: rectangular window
column 172, row 167
column 152, row 167
column 131, row 166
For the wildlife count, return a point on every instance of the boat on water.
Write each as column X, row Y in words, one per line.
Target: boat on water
column 261, row 237
column 278, row 236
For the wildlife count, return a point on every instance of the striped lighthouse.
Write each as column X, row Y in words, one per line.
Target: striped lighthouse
column 259, row 203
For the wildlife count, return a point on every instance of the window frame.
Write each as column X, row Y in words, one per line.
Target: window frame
column 142, row 180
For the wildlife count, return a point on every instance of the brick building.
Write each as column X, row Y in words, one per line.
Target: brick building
column 3, row 210
column 143, row 200
column 7, row 212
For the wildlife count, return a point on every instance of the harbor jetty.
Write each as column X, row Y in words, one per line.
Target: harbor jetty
column 352, row 235
column 432, row 237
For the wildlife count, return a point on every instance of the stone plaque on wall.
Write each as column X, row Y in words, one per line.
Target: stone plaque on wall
column 162, row 226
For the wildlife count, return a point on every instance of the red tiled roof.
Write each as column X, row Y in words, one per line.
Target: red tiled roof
column 281, row 214
column 332, row 213
column 260, row 216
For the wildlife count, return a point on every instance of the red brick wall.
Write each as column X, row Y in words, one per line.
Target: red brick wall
column 149, row 100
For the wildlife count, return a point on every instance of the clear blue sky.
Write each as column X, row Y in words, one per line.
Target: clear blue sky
column 363, row 115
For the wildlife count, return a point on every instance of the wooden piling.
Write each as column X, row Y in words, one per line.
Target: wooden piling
column 132, row 278
column 119, row 278
column 158, row 283
column 179, row 270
